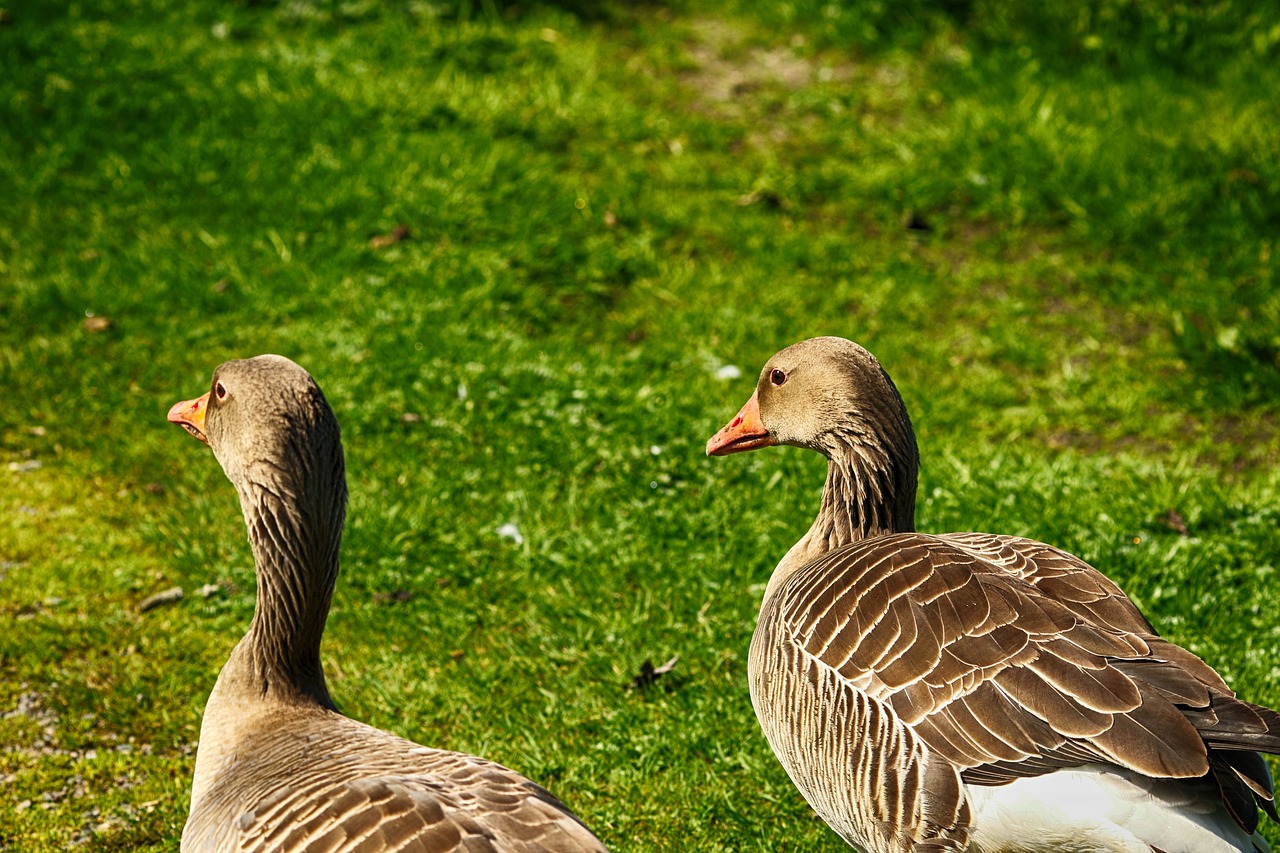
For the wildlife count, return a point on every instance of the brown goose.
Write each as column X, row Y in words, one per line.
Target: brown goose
column 279, row 769
column 973, row 691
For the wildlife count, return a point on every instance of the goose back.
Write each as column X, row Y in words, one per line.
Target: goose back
column 311, row 779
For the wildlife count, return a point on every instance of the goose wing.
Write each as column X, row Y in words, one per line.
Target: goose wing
column 467, row 805
column 1010, row 658
column 359, row 798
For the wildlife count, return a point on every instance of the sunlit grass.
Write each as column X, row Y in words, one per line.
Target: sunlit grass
column 1058, row 234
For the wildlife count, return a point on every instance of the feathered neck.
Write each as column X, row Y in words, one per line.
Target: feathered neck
column 870, row 491
column 295, row 530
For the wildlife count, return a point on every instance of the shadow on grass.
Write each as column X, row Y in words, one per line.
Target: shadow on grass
column 466, row 10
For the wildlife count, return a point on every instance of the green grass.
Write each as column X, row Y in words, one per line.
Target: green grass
column 606, row 205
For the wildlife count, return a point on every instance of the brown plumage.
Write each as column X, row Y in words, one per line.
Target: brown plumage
column 970, row 690
column 279, row 769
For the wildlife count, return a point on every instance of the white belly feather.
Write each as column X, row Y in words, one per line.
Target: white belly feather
column 1102, row 810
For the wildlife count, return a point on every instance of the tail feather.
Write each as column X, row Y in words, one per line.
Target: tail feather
column 1235, row 733
column 1238, row 724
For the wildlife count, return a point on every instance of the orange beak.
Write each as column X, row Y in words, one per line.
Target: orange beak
column 189, row 414
column 744, row 432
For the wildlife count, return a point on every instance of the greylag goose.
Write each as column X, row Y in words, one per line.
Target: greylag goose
column 972, row 691
column 279, row 769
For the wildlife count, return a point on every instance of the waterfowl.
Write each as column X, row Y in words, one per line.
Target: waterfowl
column 279, row 769
column 972, row 691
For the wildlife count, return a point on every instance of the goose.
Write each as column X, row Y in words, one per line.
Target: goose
column 278, row 768
column 972, row 691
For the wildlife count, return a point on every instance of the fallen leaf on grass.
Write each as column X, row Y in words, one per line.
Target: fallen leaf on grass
column 914, row 221
column 769, row 198
column 160, row 599
column 649, row 674
column 395, row 235
column 1175, row 521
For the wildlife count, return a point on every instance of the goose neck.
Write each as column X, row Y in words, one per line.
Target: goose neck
column 295, row 549
column 866, row 494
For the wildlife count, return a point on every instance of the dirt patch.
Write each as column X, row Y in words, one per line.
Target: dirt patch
column 728, row 71
column 1094, row 443
column 1248, row 443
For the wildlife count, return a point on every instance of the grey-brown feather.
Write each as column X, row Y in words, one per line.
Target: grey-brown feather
column 888, row 667
column 318, row 781
column 278, row 769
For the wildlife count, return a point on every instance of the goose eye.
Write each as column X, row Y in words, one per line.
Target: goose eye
column 777, row 377
column 220, row 390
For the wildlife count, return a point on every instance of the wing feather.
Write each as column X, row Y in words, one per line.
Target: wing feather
column 461, row 804
column 1009, row 657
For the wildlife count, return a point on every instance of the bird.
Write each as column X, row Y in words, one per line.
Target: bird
column 972, row 691
column 278, row 768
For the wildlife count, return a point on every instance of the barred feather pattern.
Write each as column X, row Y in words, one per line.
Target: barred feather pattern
column 973, row 659
column 822, row 730
column 313, row 780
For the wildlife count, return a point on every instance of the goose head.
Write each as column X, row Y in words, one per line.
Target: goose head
column 269, row 427
column 832, row 396
column 827, row 394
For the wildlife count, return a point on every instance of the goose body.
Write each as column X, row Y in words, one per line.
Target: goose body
column 973, row 691
column 279, row 769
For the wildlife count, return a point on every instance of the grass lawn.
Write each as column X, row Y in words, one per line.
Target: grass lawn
column 521, row 246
